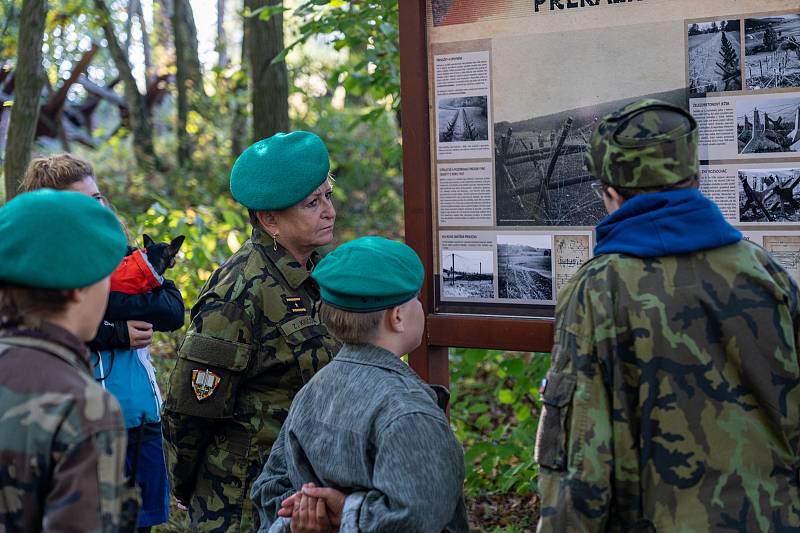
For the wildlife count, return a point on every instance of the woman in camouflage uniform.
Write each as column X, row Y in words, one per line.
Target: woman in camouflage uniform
column 255, row 336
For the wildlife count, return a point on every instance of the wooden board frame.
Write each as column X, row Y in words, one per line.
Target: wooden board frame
column 442, row 331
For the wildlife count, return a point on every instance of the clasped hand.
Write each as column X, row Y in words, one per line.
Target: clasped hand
column 313, row 509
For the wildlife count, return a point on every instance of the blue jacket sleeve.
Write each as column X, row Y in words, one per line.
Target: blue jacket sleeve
column 162, row 307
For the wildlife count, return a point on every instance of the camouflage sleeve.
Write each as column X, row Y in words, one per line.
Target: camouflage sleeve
column 574, row 440
column 86, row 473
column 185, row 440
column 203, row 386
column 273, row 484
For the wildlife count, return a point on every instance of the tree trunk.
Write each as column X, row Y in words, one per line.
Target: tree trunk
column 222, row 43
column 269, row 86
column 188, row 75
column 239, row 89
column 129, row 26
column 162, row 27
column 140, row 124
column 27, row 88
column 148, row 62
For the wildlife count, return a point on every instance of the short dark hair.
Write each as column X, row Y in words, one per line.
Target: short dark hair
column 688, row 183
column 29, row 306
column 350, row 327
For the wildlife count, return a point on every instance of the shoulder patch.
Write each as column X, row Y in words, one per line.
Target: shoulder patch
column 204, row 383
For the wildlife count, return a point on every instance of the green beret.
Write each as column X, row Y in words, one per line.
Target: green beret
column 278, row 172
column 645, row 144
column 58, row 240
column 369, row 274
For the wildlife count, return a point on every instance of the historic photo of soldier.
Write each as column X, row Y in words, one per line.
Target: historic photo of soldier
column 525, row 267
column 768, row 124
column 714, row 51
column 463, row 119
column 772, row 51
column 467, row 274
column 769, row 195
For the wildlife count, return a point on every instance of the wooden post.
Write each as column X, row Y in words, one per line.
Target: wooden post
column 430, row 362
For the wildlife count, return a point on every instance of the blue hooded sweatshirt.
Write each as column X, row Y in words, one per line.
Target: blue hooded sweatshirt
column 664, row 223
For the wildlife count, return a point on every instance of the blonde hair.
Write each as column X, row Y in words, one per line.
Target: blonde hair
column 58, row 171
column 350, row 327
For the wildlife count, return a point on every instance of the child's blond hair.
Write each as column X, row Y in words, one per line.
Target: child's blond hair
column 349, row 327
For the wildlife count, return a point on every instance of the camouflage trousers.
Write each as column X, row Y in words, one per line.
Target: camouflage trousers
column 221, row 501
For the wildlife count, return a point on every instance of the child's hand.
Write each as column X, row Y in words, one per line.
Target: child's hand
column 310, row 515
column 287, row 505
column 333, row 499
column 140, row 333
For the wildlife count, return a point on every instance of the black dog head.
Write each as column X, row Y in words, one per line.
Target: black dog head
column 162, row 255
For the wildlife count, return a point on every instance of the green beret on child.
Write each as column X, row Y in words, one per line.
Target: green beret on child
column 58, row 240
column 369, row 274
column 278, row 172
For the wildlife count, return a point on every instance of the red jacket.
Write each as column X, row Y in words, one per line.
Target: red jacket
column 135, row 275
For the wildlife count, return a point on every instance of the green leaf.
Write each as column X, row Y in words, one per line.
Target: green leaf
column 506, row 396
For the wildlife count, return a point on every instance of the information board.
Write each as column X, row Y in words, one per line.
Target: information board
column 499, row 100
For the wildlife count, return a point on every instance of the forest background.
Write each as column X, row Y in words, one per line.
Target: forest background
column 162, row 95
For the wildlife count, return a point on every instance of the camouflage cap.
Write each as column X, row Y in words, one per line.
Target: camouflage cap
column 648, row 143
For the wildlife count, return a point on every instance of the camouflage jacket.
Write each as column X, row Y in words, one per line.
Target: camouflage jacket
column 673, row 402
column 62, row 439
column 255, row 338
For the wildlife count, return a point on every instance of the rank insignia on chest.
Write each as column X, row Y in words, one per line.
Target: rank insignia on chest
column 204, row 383
column 295, row 305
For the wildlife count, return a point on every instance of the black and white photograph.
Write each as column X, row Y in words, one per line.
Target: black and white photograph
column 769, row 195
column 463, row 119
column 546, row 105
column 772, row 52
column 768, row 124
column 540, row 170
column 714, row 53
column 525, row 267
column 467, row 274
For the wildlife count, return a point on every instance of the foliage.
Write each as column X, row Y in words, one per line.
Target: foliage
column 9, row 28
column 494, row 411
column 369, row 32
column 729, row 68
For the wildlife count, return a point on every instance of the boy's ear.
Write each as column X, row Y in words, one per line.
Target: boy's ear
column 395, row 319
column 175, row 245
column 148, row 242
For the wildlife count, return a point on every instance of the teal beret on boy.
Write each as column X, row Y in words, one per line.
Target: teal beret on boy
column 278, row 172
column 369, row 274
column 58, row 240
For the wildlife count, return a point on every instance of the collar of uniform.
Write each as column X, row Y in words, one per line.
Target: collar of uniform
column 50, row 332
column 294, row 273
column 369, row 354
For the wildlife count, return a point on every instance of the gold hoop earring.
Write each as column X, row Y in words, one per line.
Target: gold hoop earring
column 275, row 242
